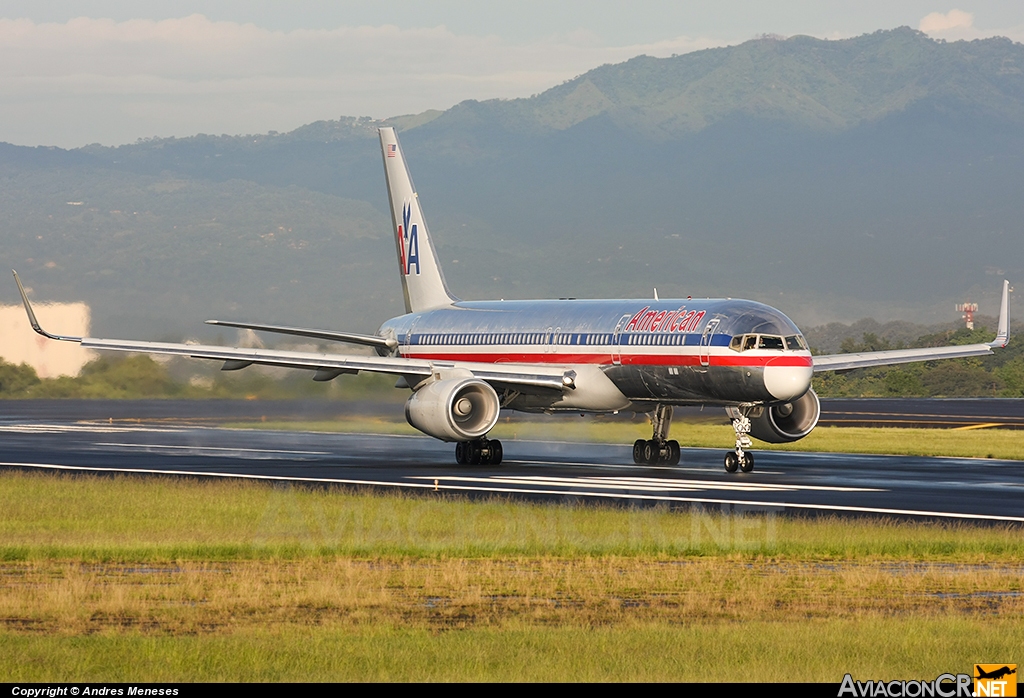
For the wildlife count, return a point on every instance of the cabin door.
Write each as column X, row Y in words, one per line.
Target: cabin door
column 705, row 343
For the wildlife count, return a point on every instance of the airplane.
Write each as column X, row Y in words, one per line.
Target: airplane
column 466, row 360
column 996, row 673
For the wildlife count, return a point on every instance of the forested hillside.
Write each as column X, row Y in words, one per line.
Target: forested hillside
column 878, row 175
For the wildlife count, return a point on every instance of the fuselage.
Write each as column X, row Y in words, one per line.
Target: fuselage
column 706, row 351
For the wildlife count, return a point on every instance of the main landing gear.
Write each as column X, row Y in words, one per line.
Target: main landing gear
column 478, row 452
column 657, row 450
column 744, row 460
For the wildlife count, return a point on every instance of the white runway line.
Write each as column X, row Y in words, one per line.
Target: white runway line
column 643, row 483
column 627, row 466
column 753, row 504
column 214, row 449
column 82, row 428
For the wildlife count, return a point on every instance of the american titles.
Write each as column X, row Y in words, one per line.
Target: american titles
column 680, row 320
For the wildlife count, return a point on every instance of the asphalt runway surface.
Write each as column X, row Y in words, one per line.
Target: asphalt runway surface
column 57, row 436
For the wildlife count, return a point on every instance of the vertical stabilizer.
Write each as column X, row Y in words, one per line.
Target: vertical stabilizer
column 422, row 281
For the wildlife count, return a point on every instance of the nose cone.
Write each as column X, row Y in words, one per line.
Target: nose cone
column 787, row 382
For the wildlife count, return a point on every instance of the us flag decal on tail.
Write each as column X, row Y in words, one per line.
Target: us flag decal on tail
column 391, row 150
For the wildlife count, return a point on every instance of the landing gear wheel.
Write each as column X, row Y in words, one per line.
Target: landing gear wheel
column 638, row 451
column 479, row 452
column 747, row 462
column 650, row 452
column 732, row 461
column 673, row 453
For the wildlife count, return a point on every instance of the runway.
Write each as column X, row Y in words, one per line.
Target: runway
column 933, row 488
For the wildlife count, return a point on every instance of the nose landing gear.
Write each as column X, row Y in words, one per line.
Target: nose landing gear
column 743, row 460
column 657, row 450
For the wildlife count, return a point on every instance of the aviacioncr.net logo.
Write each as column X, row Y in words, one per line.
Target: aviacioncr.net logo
column 944, row 686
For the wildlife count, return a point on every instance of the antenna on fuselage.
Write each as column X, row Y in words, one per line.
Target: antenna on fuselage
column 656, row 293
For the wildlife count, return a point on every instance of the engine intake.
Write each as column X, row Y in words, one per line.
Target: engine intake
column 456, row 409
column 790, row 421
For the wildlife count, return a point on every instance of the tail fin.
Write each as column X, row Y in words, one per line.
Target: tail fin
column 422, row 281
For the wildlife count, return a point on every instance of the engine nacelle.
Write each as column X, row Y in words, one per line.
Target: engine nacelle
column 779, row 424
column 455, row 409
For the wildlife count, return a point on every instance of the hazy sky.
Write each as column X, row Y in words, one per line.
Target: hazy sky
column 109, row 71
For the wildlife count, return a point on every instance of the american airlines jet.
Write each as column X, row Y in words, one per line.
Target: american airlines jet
column 466, row 360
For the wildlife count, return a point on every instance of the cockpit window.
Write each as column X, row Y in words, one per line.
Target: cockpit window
column 746, row 342
column 796, row 343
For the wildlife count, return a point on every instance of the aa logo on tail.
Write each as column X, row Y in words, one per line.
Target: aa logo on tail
column 408, row 243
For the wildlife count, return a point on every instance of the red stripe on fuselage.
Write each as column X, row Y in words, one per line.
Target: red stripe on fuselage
column 739, row 361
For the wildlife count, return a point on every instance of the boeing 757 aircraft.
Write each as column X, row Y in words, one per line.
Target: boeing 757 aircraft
column 466, row 360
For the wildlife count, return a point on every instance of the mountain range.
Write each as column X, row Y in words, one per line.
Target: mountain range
column 879, row 175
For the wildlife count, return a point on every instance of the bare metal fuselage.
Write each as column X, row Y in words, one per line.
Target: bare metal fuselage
column 628, row 354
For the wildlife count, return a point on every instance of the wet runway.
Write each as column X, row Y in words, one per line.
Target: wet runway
column 936, row 488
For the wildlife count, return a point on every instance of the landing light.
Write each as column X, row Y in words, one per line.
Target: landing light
column 569, row 379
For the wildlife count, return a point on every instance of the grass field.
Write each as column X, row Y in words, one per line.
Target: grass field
column 153, row 579
column 1005, row 444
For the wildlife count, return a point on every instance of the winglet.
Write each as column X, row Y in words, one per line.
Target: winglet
column 1003, row 331
column 32, row 316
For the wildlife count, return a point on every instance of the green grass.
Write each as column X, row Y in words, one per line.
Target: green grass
column 1006, row 444
column 49, row 516
column 753, row 652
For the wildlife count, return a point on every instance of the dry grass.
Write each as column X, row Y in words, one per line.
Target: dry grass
column 68, row 598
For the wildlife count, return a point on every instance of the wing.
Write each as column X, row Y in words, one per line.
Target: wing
column 844, row 362
column 522, row 377
column 365, row 339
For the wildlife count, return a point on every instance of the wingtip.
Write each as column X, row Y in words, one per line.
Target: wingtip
column 1003, row 328
column 32, row 315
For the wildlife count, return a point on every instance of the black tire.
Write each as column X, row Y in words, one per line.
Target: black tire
column 732, row 462
column 650, row 452
column 747, row 464
column 497, row 452
column 673, row 452
column 475, row 453
column 460, row 453
column 638, row 451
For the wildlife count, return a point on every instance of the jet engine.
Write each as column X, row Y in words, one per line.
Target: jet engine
column 787, row 422
column 455, row 409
